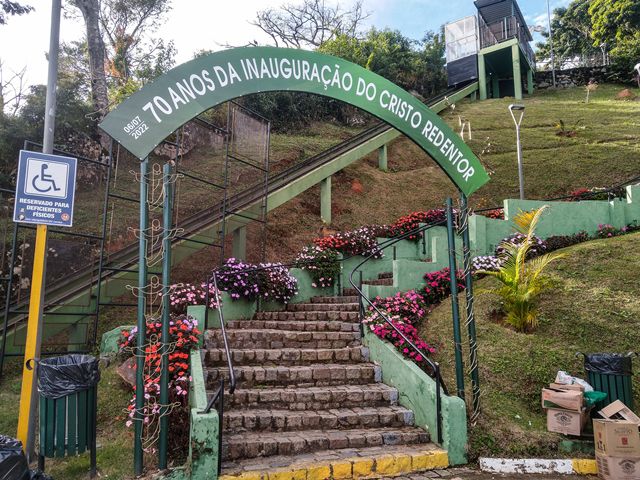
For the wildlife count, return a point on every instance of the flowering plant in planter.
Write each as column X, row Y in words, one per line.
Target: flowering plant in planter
column 322, row 264
column 233, row 278
column 496, row 213
column 183, row 331
column 489, row 263
column 606, row 231
column 381, row 328
column 536, row 248
column 408, row 306
column 276, row 283
column 438, row 285
column 191, row 294
column 412, row 221
column 361, row 241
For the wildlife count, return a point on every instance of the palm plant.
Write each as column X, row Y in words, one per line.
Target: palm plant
column 522, row 281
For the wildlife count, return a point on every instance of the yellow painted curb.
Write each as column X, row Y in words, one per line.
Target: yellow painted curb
column 357, row 467
column 585, row 466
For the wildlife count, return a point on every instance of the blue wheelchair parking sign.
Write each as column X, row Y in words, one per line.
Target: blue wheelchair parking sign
column 45, row 189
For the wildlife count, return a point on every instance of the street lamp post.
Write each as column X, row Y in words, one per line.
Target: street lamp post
column 518, row 108
column 553, row 60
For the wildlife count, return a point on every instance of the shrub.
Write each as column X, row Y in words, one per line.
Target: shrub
column 275, row 283
column 270, row 281
column 606, row 231
column 557, row 242
column 409, row 306
column 379, row 326
column 190, row 294
column 183, row 331
column 536, row 244
column 489, row 263
column 362, row 241
column 496, row 213
column 412, row 221
column 522, row 281
column 438, row 285
column 322, row 264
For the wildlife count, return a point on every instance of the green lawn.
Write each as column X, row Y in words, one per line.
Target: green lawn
column 594, row 306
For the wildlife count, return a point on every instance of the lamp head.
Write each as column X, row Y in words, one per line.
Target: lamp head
column 516, row 106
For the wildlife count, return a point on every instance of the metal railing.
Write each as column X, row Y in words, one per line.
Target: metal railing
column 434, row 366
column 505, row 29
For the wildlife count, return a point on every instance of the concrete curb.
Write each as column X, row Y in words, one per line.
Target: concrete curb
column 573, row 466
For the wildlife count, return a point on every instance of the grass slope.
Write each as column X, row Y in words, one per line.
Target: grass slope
column 594, row 306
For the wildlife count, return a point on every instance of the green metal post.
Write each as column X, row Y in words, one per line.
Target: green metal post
column 517, row 73
column 166, row 318
column 470, row 320
column 482, row 77
column 138, row 455
column 382, row 158
column 325, row 200
column 457, row 338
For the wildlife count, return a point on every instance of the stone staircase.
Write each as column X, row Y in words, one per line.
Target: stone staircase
column 309, row 400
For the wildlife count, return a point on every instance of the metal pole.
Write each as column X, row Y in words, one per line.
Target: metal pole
column 553, row 59
column 520, row 174
column 28, row 396
column 138, row 455
column 457, row 337
column 470, row 320
column 166, row 318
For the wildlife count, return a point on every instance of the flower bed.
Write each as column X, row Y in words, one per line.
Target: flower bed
column 361, row 241
column 438, row 285
column 412, row 221
column 409, row 306
column 322, row 264
column 191, row 294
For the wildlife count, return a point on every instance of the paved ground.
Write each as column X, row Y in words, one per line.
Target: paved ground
column 467, row 473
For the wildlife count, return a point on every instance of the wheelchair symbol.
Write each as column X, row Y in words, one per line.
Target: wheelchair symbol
column 44, row 178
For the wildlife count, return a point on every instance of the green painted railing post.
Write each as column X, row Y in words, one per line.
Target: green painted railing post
column 138, row 454
column 457, row 338
column 166, row 318
column 470, row 320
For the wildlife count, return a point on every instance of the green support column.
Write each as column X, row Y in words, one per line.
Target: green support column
column 382, row 158
column 530, row 81
column 239, row 247
column 517, row 73
column 325, row 200
column 482, row 77
column 495, row 86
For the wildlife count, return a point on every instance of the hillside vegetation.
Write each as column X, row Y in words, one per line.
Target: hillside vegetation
column 593, row 306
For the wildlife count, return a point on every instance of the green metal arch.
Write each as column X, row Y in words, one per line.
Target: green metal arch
column 142, row 121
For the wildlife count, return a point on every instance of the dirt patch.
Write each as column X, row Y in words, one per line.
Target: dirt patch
column 626, row 94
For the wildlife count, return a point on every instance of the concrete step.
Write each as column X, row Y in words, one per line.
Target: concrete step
column 327, row 316
column 388, row 282
column 385, row 275
column 264, row 444
column 238, row 421
column 350, row 292
column 216, row 357
column 345, row 463
column 295, row 325
column 302, row 375
column 313, row 398
column 271, row 338
column 342, row 299
column 323, row 307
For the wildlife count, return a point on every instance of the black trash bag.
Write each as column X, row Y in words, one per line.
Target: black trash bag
column 13, row 463
column 608, row 363
column 38, row 475
column 61, row 376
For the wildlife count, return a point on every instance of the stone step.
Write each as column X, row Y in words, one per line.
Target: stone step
column 342, row 299
column 309, row 316
column 270, row 338
column 323, row 307
column 264, row 444
column 216, row 357
column 350, row 292
column 238, row 421
column 385, row 275
column 388, row 282
column 366, row 462
column 313, row 398
column 295, row 325
column 307, row 375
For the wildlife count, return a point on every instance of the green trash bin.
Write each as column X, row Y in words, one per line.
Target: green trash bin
column 610, row 373
column 68, row 387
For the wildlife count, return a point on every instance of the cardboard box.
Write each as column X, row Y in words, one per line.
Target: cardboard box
column 618, row 438
column 562, row 386
column 619, row 411
column 568, row 422
column 618, row 468
column 563, row 399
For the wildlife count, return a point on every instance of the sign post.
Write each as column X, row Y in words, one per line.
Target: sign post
column 40, row 177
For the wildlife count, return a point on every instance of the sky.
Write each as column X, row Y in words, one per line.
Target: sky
column 207, row 24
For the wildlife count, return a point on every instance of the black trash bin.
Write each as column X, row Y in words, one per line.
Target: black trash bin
column 68, row 407
column 610, row 373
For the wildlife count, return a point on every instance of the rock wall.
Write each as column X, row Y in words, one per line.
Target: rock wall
column 574, row 77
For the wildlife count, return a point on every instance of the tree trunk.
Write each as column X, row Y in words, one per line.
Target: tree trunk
column 91, row 11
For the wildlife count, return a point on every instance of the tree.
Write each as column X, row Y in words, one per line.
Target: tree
column 12, row 90
column 9, row 8
column 310, row 23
